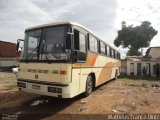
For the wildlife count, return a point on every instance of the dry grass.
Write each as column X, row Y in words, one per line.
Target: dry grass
column 7, row 81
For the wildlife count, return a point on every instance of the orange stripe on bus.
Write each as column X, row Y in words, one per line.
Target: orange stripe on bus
column 105, row 73
column 94, row 60
column 90, row 62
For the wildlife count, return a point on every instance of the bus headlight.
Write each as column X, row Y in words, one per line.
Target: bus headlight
column 54, row 90
column 59, row 90
column 20, row 84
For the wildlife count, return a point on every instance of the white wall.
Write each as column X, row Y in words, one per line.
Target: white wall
column 7, row 62
column 143, row 64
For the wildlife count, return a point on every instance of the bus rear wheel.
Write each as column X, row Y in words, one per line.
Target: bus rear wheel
column 89, row 86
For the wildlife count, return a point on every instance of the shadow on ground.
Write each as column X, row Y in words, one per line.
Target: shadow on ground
column 40, row 107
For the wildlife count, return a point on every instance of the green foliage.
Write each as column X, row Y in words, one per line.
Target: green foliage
column 133, row 52
column 136, row 37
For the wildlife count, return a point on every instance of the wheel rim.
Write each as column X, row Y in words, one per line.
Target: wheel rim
column 89, row 87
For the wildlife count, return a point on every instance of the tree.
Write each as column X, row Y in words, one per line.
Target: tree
column 136, row 37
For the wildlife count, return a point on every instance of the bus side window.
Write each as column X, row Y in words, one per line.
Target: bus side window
column 76, row 39
column 79, row 46
column 102, row 48
column 114, row 55
column 82, row 42
column 79, row 41
column 87, row 42
column 93, row 44
column 110, row 51
column 117, row 55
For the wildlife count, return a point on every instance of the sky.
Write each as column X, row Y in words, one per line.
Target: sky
column 103, row 17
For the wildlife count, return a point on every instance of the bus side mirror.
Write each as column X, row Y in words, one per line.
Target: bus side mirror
column 69, row 40
column 18, row 45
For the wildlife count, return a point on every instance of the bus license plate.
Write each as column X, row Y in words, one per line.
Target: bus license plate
column 36, row 87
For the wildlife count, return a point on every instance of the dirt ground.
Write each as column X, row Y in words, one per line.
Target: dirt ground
column 120, row 96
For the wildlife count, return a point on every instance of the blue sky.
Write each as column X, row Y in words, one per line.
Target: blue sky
column 103, row 17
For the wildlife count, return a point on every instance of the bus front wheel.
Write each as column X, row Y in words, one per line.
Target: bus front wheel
column 89, row 86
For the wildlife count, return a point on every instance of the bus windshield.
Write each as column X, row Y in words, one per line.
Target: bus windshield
column 45, row 44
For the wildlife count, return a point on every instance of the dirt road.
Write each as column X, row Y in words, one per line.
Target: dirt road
column 116, row 97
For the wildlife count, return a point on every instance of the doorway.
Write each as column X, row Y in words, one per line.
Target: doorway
column 139, row 69
column 148, row 68
column 132, row 69
column 157, row 69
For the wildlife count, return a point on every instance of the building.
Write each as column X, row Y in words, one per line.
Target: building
column 123, row 67
column 148, row 65
column 8, row 56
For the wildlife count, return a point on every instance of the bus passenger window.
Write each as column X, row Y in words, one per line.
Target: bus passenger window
column 93, row 44
column 116, row 55
column 113, row 54
column 76, row 40
column 108, row 54
column 79, row 41
column 119, row 56
column 82, row 42
column 110, row 51
column 102, row 48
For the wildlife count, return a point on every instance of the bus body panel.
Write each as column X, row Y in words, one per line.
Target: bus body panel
column 75, row 82
column 54, row 72
column 66, row 91
column 103, row 67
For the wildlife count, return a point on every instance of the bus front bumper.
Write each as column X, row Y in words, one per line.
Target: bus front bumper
column 49, row 89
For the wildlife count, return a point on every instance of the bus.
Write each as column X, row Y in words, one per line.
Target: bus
column 64, row 59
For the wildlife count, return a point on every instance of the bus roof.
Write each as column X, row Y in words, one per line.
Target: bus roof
column 55, row 23
column 63, row 23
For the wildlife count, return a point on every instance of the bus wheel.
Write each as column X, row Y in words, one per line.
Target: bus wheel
column 89, row 86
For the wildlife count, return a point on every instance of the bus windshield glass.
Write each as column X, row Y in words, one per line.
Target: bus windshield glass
column 45, row 44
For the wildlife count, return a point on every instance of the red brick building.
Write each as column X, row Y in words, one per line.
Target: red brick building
column 8, row 55
column 8, row 49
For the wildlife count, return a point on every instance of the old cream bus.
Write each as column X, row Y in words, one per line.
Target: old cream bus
column 65, row 59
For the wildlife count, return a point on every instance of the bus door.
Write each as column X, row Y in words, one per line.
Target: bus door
column 81, row 55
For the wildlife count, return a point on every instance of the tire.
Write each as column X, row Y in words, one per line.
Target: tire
column 89, row 86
